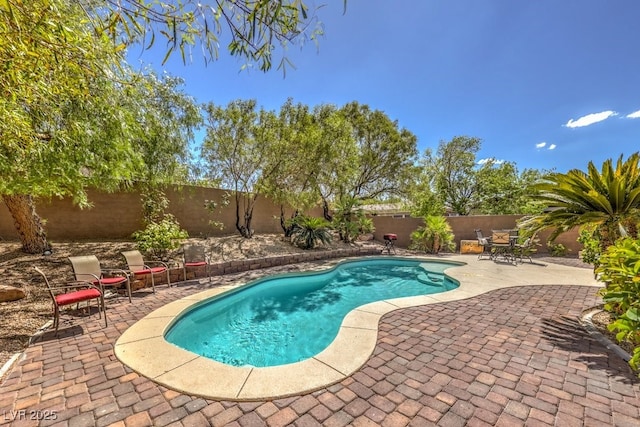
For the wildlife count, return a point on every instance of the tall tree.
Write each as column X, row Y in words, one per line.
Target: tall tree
column 62, row 65
column 386, row 153
column 241, row 149
column 311, row 143
column 59, row 125
column 454, row 177
column 454, row 164
column 165, row 120
column 503, row 190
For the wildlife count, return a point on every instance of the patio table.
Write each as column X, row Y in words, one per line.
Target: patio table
column 503, row 244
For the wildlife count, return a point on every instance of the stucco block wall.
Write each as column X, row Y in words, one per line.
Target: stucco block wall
column 463, row 228
column 118, row 215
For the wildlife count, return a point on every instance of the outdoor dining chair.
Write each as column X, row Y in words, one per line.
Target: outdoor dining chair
column 73, row 293
column 525, row 249
column 194, row 256
column 87, row 268
column 502, row 245
column 139, row 267
column 485, row 242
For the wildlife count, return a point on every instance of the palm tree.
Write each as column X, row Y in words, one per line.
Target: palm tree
column 609, row 199
column 309, row 231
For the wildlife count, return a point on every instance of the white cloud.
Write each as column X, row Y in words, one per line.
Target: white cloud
column 634, row 115
column 541, row 145
column 490, row 159
column 590, row 119
column 552, row 147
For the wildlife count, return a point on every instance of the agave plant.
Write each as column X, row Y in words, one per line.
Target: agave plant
column 309, row 231
column 608, row 198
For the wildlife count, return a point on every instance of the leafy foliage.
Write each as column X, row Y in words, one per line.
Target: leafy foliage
column 159, row 238
column 242, row 149
column 557, row 249
column 385, row 153
column 591, row 247
column 69, row 116
column 434, row 236
column 308, row 232
column 349, row 220
column 620, row 270
column 608, row 199
column 453, row 177
column 255, row 28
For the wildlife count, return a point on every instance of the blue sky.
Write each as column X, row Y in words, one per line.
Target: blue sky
column 545, row 83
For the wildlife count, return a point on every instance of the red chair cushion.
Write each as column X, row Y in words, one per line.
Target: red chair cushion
column 151, row 270
column 195, row 264
column 77, row 296
column 110, row 281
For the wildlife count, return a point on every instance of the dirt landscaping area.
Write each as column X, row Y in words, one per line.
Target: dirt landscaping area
column 21, row 319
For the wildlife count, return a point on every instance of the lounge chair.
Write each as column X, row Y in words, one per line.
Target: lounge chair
column 87, row 268
column 138, row 266
column 194, row 256
column 73, row 293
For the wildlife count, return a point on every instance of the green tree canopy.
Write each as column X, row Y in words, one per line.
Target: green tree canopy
column 453, row 177
column 66, row 124
column 242, row 149
column 385, row 153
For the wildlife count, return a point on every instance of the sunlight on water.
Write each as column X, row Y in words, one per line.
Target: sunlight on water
column 285, row 319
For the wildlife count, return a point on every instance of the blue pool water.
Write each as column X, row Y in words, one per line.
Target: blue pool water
column 288, row 318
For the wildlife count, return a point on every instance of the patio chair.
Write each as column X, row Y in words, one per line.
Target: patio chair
column 138, row 266
column 525, row 249
column 485, row 242
column 502, row 245
column 73, row 293
column 194, row 256
column 87, row 268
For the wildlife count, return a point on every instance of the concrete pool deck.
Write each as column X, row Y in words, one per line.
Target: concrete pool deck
column 511, row 356
column 139, row 346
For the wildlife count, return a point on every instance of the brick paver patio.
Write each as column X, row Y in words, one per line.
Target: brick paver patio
column 511, row 357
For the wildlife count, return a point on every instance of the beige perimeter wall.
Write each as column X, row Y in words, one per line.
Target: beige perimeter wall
column 118, row 215
column 463, row 228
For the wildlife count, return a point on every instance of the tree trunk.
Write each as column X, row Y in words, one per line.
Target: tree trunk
column 326, row 212
column 28, row 223
column 244, row 228
column 288, row 230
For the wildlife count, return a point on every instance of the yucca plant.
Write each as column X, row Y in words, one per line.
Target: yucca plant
column 308, row 232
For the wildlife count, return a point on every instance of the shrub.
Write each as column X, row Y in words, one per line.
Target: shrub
column 309, row 231
column 557, row 249
column 160, row 237
column 350, row 221
column 434, row 236
column 591, row 246
column 620, row 270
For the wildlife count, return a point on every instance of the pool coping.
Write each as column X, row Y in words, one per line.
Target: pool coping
column 143, row 348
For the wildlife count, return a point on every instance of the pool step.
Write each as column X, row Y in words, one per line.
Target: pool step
column 430, row 278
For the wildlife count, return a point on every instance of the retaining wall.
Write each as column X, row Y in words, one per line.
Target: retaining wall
column 228, row 267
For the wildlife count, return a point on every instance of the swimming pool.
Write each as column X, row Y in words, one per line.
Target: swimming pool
column 288, row 318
